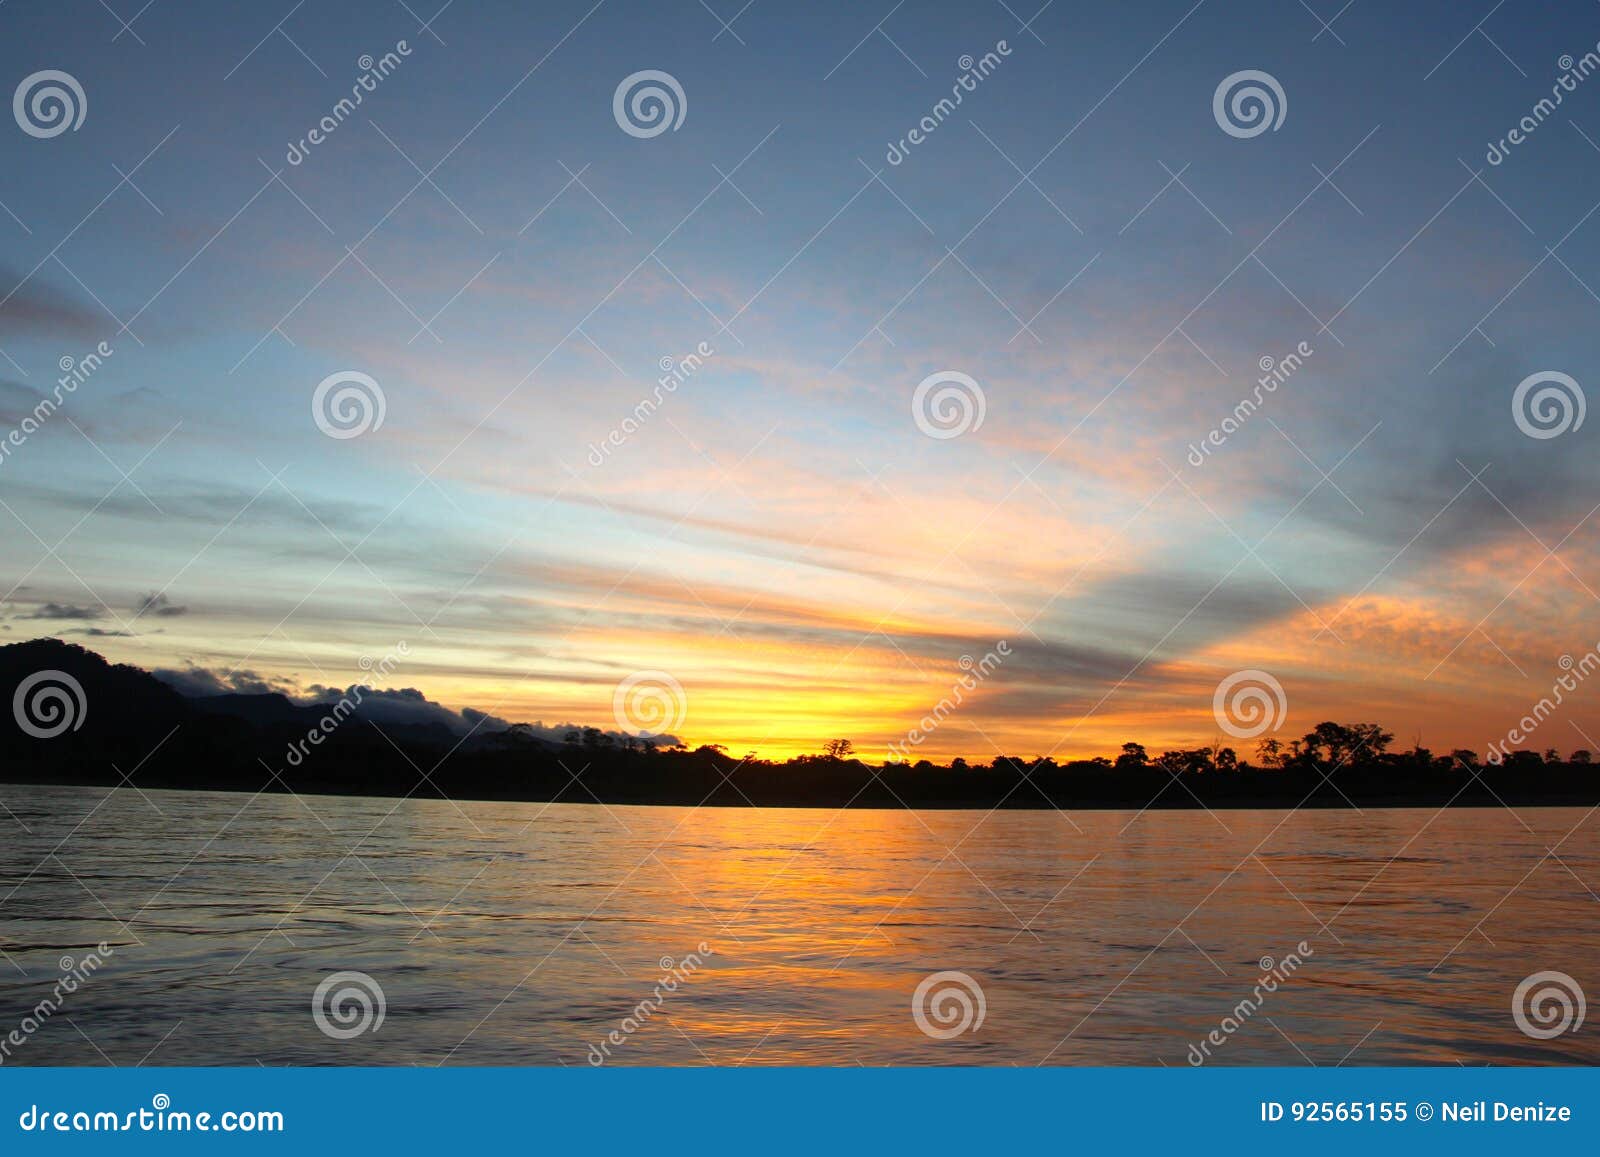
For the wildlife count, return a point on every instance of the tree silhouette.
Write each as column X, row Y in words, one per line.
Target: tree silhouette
column 1339, row 743
column 1195, row 762
column 220, row 741
column 1133, row 756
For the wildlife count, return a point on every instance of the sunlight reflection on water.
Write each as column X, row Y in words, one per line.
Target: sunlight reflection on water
column 508, row 933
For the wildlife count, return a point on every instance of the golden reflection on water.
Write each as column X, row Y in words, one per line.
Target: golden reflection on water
column 528, row 933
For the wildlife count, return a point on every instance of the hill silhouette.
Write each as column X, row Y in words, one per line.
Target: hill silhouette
column 70, row 717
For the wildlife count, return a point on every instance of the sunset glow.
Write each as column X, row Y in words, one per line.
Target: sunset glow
column 649, row 403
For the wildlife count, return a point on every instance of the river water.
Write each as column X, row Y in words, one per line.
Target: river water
column 512, row 933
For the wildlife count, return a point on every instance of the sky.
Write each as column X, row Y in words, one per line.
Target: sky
column 775, row 550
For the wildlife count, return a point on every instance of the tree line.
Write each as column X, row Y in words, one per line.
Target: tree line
column 1328, row 744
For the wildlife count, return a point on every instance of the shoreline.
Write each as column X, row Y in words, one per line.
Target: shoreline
column 1318, row 801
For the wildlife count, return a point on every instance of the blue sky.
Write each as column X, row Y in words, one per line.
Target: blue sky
column 1080, row 237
